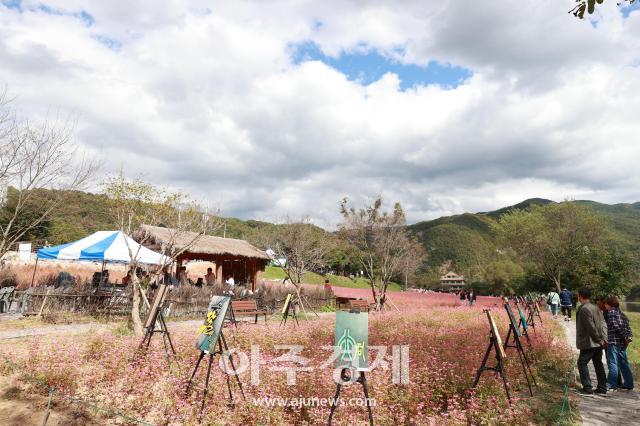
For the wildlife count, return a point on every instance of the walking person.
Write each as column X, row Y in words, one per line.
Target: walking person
column 553, row 300
column 471, row 297
column 566, row 303
column 619, row 336
column 463, row 297
column 590, row 340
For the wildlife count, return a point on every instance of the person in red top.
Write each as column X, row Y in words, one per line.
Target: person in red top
column 126, row 279
column 327, row 288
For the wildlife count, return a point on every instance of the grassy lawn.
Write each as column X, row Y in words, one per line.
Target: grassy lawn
column 633, row 351
column 275, row 273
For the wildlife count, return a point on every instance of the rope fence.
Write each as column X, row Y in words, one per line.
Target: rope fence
column 566, row 404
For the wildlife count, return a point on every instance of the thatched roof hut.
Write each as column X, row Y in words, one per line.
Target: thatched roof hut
column 232, row 257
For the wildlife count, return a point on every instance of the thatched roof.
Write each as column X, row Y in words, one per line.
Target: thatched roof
column 205, row 244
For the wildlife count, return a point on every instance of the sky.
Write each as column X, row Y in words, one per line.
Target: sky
column 279, row 109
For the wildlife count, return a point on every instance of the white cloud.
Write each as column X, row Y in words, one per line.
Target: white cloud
column 208, row 100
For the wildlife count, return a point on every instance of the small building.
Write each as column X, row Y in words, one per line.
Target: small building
column 236, row 258
column 452, row 282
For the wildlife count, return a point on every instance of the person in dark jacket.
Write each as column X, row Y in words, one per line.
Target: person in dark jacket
column 463, row 296
column 566, row 303
column 619, row 336
column 471, row 297
column 590, row 340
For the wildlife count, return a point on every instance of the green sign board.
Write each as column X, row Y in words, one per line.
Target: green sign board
column 523, row 319
column 210, row 331
column 352, row 340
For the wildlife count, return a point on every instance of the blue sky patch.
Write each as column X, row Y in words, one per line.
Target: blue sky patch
column 367, row 66
column 12, row 4
column 107, row 41
column 626, row 8
column 83, row 15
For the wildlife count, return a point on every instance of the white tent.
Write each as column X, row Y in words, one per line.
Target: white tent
column 104, row 246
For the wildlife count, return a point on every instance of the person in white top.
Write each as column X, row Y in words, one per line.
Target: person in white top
column 231, row 282
column 553, row 300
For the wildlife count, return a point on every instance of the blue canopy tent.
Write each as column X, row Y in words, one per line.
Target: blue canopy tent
column 102, row 246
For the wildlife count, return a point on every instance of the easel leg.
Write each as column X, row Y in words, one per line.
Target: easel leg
column 166, row 331
column 226, row 373
column 334, row 402
column 526, row 362
column 194, row 372
column 524, row 369
column 482, row 366
column 206, row 383
column 500, row 369
column 506, row 341
column 233, row 366
column 363, row 381
column 166, row 349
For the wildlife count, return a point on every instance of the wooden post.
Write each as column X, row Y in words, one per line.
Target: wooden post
column 35, row 268
column 254, row 274
column 219, row 278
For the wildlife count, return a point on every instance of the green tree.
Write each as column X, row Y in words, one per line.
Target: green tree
column 555, row 240
column 611, row 274
column 589, row 6
column 503, row 277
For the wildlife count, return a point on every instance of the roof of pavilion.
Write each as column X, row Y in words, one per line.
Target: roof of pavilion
column 204, row 244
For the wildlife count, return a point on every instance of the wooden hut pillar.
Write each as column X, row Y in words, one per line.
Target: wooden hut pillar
column 219, row 277
column 254, row 274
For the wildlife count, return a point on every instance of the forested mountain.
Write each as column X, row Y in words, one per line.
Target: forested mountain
column 465, row 243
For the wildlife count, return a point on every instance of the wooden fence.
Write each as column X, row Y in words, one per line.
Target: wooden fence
column 189, row 302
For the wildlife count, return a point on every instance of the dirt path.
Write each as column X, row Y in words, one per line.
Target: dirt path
column 620, row 408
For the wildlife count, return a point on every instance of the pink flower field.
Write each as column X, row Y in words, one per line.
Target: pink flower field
column 446, row 345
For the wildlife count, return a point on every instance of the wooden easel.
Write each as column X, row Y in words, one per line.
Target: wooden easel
column 156, row 324
column 533, row 312
column 163, row 330
column 536, row 308
column 526, row 367
column 499, row 367
column 345, row 376
column 222, row 347
column 290, row 311
column 231, row 316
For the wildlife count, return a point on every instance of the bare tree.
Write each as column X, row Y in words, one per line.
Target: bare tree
column 136, row 205
column 382, row 243
column 299, row 247
column 35, row 157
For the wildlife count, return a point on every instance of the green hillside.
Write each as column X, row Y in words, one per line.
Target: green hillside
column 469, row 243
column 275, row 273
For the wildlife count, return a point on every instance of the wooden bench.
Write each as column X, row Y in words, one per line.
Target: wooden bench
column 6, row 298
column 247, row 308
column 359, row 305
column 343, row 302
